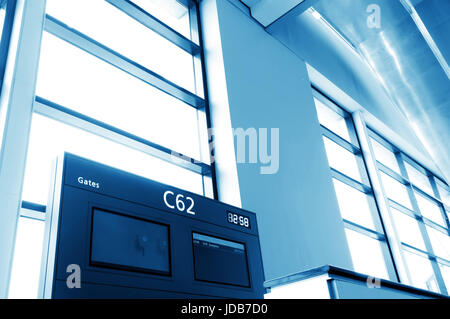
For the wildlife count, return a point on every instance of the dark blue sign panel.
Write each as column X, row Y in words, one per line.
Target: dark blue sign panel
column 112, row 234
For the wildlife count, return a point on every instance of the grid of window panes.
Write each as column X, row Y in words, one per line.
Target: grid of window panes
column 368, row 245
column 120, row 82
column 419, row 206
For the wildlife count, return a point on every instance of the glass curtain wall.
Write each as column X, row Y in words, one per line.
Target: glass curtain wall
column 418, row 203
column 369, row 248
column 120, row 82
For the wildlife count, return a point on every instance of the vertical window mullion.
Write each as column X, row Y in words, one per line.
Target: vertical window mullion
column 194, row 16
column 438, row 196
column 339, row 129
column 396, row 260
column 423, row 230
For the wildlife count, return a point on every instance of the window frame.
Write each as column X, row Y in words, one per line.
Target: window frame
column 365, row 186
column 412, row 189
column 193, row 46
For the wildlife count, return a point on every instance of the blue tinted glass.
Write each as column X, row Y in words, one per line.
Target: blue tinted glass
column 171, row 12
column 50, row 138
column 118, row 31
column 79, row 81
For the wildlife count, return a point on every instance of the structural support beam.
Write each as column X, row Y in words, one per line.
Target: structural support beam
column 390, row 232
column 16, row 108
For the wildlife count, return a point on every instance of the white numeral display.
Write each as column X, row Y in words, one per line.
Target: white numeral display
column 180, row 202
column 238, row 220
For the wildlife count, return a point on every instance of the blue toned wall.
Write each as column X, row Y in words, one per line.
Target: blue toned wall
column 256, row 82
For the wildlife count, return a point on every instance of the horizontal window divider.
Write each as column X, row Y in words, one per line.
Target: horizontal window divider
column 399, row 178
column 382, row 141
column 32, row 213
column 351, row 182
column 363, row 230
column 73, row 118
column 33, row 206
column 328, row 102
column 425, row 254
column 436, row 226
column 148, row 20
column 432, row 198
column 414, row 164
column 416, row 250
column 443, row 261
column 340, row 141
column 404, row 209
column 121, row 62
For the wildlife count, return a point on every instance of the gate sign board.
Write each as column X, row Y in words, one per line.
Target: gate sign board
column 112, row 234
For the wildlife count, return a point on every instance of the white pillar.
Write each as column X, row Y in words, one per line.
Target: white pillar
column 16, row 108
column 380, row 196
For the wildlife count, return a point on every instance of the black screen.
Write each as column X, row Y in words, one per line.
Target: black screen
column 130, row 243
column 220, row 261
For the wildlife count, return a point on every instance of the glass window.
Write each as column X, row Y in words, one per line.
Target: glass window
column 78, row 80
column 418, row 179
column 342, row 160
column 444, row 193
column 24, row 282
column 385, row 156
column 420, row 271
column 395, row 190
column 430, row 210
column 332, row 120
column 354, row 205
column 440, row 243
column 49, row 138
column 171, row 12
column 445, row 271
column 367, row 254
column 110, row 26
column 408, row 229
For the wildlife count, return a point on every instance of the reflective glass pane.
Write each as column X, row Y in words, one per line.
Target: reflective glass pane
column 49, row 138
column 420, row 271
column 342, row 160
column 430, row 210
column 395, row 190
column 78, row 80
column 445, row 271
column 110, row 26
column 26, row 267
column 385, row 156
column 408, row 229
column 444, row 193
column 171, row 12
column 418, row 179
column 332, row 120
column 354, row 205
column 367, row 255
column 440, row 243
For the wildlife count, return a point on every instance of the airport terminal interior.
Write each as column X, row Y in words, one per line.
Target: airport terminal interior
column 225, row 148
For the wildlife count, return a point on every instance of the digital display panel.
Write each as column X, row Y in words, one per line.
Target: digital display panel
column 220, row 261
column 129, row 243
column 237, row 219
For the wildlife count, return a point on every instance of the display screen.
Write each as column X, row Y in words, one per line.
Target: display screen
column 220, row 261
column 237, row 219
column 129, row 243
